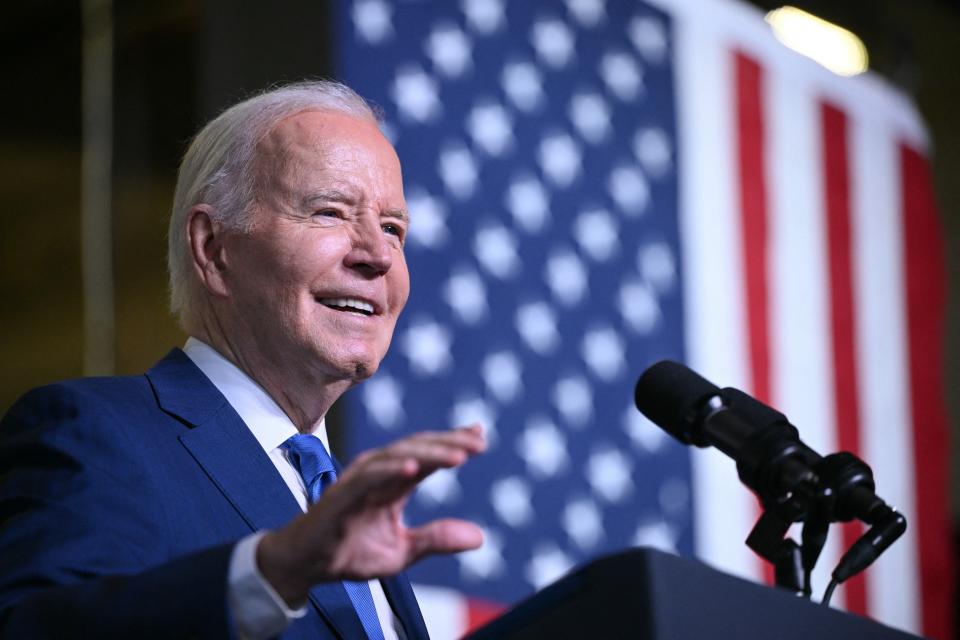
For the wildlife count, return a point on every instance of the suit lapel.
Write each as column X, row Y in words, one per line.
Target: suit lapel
column 222, row 444
column 228, row 452
column 404, row 605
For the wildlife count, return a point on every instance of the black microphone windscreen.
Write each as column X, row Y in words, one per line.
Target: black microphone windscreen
column 671, row 395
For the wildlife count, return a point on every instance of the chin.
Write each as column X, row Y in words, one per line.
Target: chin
column 363, row 370
column 359, row 367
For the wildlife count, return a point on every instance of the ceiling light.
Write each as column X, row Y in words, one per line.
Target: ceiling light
column 832, row 46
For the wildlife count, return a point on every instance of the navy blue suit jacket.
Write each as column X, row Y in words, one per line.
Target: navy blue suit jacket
column 120, row 502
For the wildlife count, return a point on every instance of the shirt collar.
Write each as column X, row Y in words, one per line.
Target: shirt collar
column 264, row 417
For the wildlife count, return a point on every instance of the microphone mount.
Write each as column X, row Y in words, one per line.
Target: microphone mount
column 793, row 482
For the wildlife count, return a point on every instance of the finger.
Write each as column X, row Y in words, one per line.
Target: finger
column 391, row 473
column 426, row 453
column 469, row 438
column 432, row 449
column 444, row 536
column 377, row 480
column 474, row 427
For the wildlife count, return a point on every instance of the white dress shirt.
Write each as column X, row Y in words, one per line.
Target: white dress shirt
column 259, row 612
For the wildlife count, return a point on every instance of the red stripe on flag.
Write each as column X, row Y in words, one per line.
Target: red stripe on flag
column 753, row 214
column 753, row 209
column 842, row 312
column 925, row 289
column 480, row 612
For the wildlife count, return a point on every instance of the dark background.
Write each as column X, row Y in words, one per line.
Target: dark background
column 178, row 62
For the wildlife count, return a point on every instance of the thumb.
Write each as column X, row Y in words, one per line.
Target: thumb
column 444, row 536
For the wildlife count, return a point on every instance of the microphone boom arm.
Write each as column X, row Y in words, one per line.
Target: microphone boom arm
column 793, row 482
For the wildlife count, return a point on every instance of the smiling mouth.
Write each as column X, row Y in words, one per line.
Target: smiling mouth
column 349, row 305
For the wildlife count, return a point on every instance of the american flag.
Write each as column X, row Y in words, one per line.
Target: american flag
column 597, row 185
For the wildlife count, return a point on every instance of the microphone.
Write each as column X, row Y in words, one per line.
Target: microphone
column 771, row 459
column 785, row 473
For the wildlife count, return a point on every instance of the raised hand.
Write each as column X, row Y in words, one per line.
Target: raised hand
column 356, row 532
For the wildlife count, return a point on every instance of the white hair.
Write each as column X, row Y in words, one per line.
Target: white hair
column 219, row 167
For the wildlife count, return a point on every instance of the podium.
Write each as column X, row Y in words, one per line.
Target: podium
column 643, row 594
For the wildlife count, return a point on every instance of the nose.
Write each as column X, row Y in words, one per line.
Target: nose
column 370, row 249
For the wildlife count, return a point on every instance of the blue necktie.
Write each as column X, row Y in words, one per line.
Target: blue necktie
column 311, row 459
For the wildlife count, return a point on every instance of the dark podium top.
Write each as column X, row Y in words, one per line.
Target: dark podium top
column 647, row 594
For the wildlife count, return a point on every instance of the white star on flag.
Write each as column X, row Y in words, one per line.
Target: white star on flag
column 487, row 561
column 543, row 448
column 510, row 498
column 609, row 471
column 503, row 374
column 440, row 487
column 583, row 522
column 496, row 250
column 466, row 294
column 629, row 189
column 547, row 565
column 567, row 277
column 596, row 232
column 485, row 16
column 383, row 398
column 449, row 49
column 656, row 264
column 427, row 345
column 523, row 85
column 622, row 75
column 647, row 436
column 553, row 41
column 652, row 149
column 489, row 125
column 372, row 20
column 602, row 350
column 574, row 400
column 428, row 226
column 458, row 170
column 559, row 158
column 528, row 201
column 657, row 535
column 589, row 13
column 537, row 325
column 415, row 94
column 591, row 116
column 637, row 302
column 472, row 409
column 649, row 38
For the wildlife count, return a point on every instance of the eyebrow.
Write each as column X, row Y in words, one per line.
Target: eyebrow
column 399, row 214
column 327, row 195
column 333, row 195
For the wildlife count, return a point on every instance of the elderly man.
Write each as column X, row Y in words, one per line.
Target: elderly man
column 187, row 502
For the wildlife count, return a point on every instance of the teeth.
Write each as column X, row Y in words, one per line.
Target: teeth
column 348, row 303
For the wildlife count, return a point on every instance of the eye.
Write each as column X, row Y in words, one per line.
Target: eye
column 394, row 230
column 326, row 213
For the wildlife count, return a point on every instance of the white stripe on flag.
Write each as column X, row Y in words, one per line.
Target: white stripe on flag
column 802, row 371
column 444, row 611
column 886, row 443
column 713, row 296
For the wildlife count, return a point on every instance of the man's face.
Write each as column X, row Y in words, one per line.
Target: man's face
column 321, row 278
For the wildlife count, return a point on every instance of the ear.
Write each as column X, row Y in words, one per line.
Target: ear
column 205, row 237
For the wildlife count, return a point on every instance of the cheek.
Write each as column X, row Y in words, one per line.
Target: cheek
column 302, row 263
column 400, row 284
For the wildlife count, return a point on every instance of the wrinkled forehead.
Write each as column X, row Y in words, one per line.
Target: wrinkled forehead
column 325, row 139
column 324, row 146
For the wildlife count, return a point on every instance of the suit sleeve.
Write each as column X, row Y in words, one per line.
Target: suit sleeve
column 82, row 545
